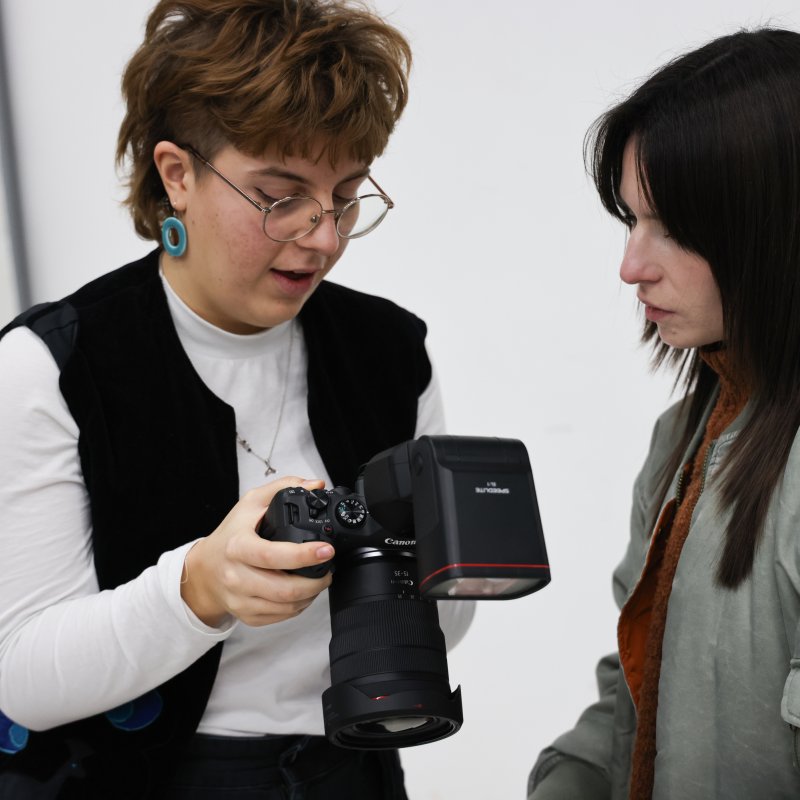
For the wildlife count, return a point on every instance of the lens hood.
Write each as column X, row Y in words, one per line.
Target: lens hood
column 409, row 713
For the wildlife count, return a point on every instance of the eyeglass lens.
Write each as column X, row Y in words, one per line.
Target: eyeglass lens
column 294, row 217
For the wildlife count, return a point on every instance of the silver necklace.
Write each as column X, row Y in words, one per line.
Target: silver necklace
column 267, row 462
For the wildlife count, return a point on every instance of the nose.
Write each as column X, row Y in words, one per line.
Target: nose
column 637, row 264
column 323, row 238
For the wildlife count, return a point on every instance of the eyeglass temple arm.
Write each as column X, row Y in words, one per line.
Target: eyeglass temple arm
column 262, row 209
column 377, row 186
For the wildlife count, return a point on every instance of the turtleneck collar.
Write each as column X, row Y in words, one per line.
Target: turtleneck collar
column 200, row 337
column 733, row 392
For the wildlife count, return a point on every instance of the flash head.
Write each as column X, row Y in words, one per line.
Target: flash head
column 471, row 503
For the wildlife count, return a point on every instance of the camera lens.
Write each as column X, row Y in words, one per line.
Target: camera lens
column 395, row 724
column 389, row 678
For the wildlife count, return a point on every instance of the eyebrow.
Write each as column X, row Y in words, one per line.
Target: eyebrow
column 648, row 213
column 277, row 172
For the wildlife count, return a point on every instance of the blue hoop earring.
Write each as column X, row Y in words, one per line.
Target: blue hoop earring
column 178, row 248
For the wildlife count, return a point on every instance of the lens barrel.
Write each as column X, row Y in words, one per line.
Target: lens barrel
column 389, row 678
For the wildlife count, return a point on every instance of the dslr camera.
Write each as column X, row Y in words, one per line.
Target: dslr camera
column 434, row 518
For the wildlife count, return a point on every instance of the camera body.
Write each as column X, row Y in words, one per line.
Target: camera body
column 435, row 518
column 335, row 516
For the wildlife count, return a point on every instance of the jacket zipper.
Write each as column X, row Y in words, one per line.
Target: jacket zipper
column 706, row 460
column 682, row 477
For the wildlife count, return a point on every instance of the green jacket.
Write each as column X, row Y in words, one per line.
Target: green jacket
column 729, row 693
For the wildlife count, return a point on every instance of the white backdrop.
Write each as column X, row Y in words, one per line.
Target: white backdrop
column 8, row 283
column 497, row 241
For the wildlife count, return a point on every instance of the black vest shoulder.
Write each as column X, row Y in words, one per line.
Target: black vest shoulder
column 158, row 454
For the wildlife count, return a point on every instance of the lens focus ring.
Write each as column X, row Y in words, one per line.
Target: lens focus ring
column 386, row 636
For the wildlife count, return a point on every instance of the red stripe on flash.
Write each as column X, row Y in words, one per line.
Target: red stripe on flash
column 453, row 566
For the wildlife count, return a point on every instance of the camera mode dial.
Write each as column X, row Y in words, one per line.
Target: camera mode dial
column 351, row 513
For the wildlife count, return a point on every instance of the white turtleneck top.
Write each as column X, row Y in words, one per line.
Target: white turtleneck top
column 67, row 650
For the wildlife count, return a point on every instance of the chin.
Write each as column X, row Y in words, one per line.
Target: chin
column 273, row 317
column 687, row 343
column 671, row 340
column 684, row 340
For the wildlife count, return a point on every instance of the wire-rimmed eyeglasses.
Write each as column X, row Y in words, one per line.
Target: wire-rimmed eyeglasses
column 293, row 217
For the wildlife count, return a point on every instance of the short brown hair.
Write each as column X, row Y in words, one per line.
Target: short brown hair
column 256, row 74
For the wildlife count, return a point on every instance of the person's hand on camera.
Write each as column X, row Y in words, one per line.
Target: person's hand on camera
column 233, row 571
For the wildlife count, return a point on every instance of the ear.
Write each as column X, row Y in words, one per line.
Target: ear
column 175, row 168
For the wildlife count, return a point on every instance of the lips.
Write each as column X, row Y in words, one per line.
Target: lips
column 294, row 282
column 295, row 275
column 656, row 314
column 653, row 313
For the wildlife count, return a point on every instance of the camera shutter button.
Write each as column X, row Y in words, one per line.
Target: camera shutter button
column 316, row 501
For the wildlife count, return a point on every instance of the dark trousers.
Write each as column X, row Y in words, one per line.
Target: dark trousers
column 283, row 768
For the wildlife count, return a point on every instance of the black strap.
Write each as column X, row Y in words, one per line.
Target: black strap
column 56, row 324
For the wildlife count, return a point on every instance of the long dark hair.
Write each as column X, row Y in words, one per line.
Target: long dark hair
column 717, row 134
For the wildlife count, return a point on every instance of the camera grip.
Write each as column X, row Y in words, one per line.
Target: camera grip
column 287, row 520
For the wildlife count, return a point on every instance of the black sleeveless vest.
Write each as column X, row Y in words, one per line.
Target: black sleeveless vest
column 158, row 454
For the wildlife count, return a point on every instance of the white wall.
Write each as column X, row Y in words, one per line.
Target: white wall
column 497, row 241
column 8, row 283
